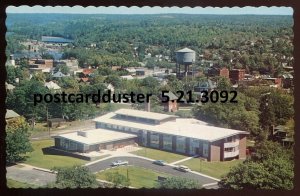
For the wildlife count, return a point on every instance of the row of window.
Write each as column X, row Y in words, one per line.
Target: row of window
column 232, row 149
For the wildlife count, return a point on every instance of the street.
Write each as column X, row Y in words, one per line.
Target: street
column 105, row 164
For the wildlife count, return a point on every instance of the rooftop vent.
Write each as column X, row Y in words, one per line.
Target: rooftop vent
column 82, row 133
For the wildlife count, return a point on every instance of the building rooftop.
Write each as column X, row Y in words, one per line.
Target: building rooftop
column 95, row 136
column 11, row 114
column 52, row 85
column 186, row 127
column 55, row 39
column 143, row 114
column 185, row 50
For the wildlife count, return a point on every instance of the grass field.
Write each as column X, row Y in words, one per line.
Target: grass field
column 38, row 159
column 16, row 184
column 158, row 155
column 139, row 177
column 214, row 169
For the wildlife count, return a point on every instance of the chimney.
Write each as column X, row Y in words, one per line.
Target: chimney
column 147, row 106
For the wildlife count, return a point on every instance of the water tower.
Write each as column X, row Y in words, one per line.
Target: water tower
column 185, row 57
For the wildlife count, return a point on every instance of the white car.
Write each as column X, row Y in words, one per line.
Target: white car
column 182, row 168
column 119, row 162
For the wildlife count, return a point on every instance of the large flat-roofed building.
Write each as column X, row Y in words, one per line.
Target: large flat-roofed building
column 93, row 140
column 179, row 135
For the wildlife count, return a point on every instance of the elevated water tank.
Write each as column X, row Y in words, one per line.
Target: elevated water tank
column 185, row 56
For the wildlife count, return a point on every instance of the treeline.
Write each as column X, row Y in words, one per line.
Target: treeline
column 261, row 41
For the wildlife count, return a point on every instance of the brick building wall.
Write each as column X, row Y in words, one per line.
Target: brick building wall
column 215, row 151
column 242, row 147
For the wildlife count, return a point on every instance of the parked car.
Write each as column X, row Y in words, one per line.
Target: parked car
column 182, row 168
column 159, row 162
column 119, row 162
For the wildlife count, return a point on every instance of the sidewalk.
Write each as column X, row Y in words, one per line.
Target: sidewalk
column 182, row 160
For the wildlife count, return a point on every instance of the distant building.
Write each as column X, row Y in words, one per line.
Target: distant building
column 276, row 82
column 236, row 75
column 9, row 87
column 10, row 115
column 58, row 74
column 207, row 85
column 171, row 105
column 51, row 39
column 214, row 71
column 40, row 63
column 52, row 86
column 288, row 80
column 140, row 72
column 128, row 77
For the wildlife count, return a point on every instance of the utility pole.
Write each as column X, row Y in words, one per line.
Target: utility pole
column 47, row 120
column 127, row 174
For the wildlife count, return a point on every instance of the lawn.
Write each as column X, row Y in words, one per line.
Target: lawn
column 139, row 177
column 159, row 155
column 214, row 169
column 16, row 184
column 38, row 159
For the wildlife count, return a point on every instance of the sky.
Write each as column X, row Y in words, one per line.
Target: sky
column 152, row 10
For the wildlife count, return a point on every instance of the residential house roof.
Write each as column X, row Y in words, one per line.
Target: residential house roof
column 11, row 114
column 52, row 85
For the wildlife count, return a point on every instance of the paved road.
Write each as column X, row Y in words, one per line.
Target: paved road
column 29, row 175
column 102, row 165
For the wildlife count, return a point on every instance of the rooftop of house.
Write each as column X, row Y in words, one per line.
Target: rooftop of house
column 9, row 86
column 185, row 50
column 52, row 85
column 11, row 114
column 185, row 127
column 95, row 136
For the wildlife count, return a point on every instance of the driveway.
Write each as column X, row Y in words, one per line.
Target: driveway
column 105, row 164
column 29, row 175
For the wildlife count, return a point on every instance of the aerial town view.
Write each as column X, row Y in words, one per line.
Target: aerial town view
column 118, row 97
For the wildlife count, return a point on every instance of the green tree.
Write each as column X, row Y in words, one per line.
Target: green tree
column 178, row 183
column 114, row 80
column 17, row 143
column 117, row 179
column 272, row 167
column 74, row 177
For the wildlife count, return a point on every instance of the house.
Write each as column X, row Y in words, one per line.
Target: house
column 9, row 87
column 207, row 85
column 84, row 80
column 52, row 86
column 11, row 115
column 280, row 134
column 128, row 77
column 287, row 80
column 131, row 71
column 179, row 135
column 140, row 72
column 110, row 87
column 58, row 74
column 276, row 82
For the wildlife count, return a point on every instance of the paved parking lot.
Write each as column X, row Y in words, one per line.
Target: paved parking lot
column 105, row 164
column 29, row 175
